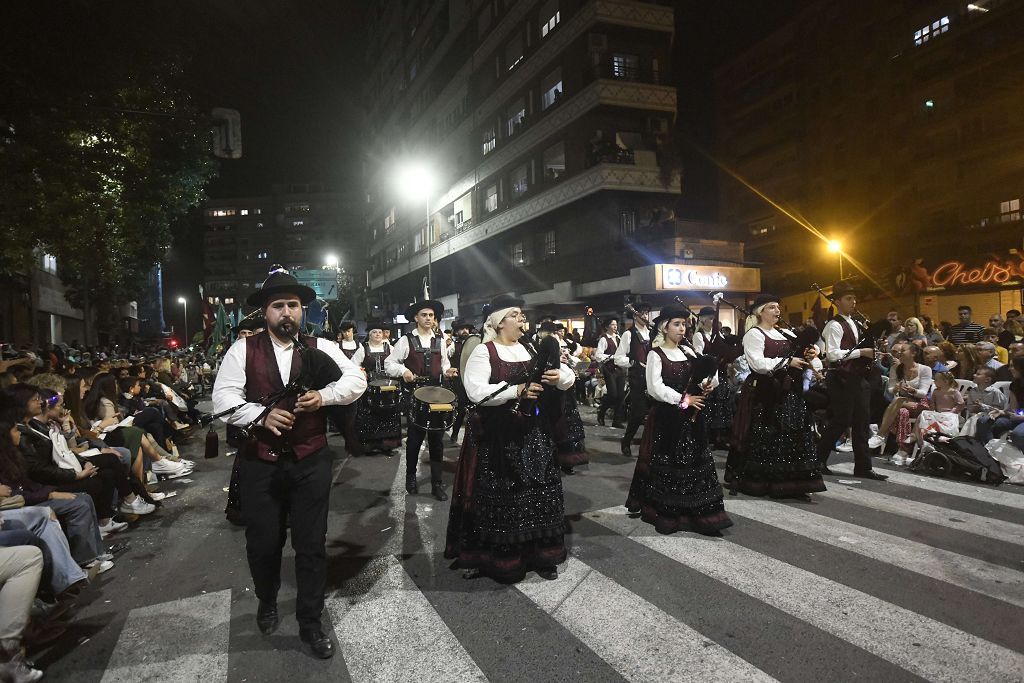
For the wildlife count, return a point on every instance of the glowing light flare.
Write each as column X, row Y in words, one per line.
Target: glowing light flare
column 835, row 246
column 415, row 181
column 331, row 261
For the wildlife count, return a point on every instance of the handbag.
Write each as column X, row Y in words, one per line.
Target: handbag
column 1009, row 458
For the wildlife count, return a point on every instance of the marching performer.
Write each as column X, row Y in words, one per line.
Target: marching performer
column 675, row 486
column 846, row 383
column 614, row 378
column 287, row 487
column 567, row 425
column 507, row 515
column 461, row 329
column 378, row 418
column 419, row 358
column 343, row 418
column 773, row 442
column 631, row 355
column 720, row 406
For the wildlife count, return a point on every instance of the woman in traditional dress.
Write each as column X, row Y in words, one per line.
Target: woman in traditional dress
column 507, row 513
column 773, row 449
column 566, row 425
column 378, row 417
column 675, row 486
column 721, row 402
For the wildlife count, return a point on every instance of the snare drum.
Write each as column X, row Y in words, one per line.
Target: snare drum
column 433, row 408
column 383, row 394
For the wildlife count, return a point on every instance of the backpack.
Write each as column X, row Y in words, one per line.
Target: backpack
column 961, row 455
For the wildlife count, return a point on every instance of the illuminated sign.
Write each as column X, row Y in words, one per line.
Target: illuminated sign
column 672, row 276
column 995, row 272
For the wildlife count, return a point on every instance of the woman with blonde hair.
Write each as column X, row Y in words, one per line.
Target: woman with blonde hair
column 913, row 331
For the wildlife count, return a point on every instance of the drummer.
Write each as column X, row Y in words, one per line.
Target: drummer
column 378, row 421
column 343, row 418
column 419, row 358
column 461, row 329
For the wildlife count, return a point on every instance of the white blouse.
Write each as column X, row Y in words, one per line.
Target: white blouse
column 656, row 387
column 920, row 384
column 753, row 350
column 477, row 380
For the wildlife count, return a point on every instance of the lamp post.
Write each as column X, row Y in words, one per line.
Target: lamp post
column 416, row 182
column 836, row 247
column 184, row 302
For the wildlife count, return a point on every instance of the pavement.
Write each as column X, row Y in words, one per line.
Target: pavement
column 915, row 578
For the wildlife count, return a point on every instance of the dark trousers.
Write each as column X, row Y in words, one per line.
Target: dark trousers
column 345, row 420
column 152, row 421
column 278, row 495
column 435, row 445
column 638, row 404
column 460, row 410
column 615, row 386
column 849, row 399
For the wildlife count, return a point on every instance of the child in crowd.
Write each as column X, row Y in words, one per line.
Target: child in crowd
column 983, row 398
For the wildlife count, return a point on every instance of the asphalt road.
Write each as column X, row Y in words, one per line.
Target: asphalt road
column 914, row 578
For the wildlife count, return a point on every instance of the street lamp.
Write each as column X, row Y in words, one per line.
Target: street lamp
column 836, row 247
column 416, row 182
column 184, row 302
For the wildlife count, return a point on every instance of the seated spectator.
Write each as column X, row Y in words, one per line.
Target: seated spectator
column 983, row 398
column 966, row 331
column 63, row 578
column 20, row 570
column 932, row 336
column 913, row 331
column 934, row 358
column 908, row 384
column 987, row 355
column 895, row 328
column 992, row 337
column 946, row 396
column 967, row 361
column 1015, row 331
column 1016, row 350
column 1010, row 419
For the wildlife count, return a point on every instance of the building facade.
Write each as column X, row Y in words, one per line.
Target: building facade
column 298, row 226
column 894, row 129
column 547, row 126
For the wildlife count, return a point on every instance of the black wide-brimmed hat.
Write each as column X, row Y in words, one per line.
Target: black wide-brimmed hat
column 608, row 320
column 461, row 323
column 505, row 301
column 375, row 324
column 764, row 299
column 707, row 310
column 671, row 313
column 547, row 326
column 842, row 288
column 346, row 325
column 251, row 322
column 433, row 304
column 280, row 282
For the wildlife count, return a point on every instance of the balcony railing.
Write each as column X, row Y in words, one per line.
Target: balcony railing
column 638, row 73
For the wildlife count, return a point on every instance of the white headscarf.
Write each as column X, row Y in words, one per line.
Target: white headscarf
column 752, row 318
column 492, row 322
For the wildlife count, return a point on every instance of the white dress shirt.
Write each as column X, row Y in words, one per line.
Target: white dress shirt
column 621, row 356
column 477, row 380
column 656, row 387
column 360, row 355
column 833, row 337
column 229, row 389
column 395, row 363
column 753, row 350
column 601, row 354
column 350, row 346
column 698, row 340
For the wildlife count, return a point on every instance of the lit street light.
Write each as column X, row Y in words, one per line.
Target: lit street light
column 331, row 261
column 184, row 302
column 416, row 182
column 836, row 247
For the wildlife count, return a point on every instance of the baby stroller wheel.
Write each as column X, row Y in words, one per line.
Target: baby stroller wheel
column 938, row 464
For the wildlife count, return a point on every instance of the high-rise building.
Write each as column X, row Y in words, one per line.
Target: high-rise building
column 894, row 129
column 547, row 126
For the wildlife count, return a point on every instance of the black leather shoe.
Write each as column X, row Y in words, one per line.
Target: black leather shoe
column 437, row 490
column 626, row 452
column 267, row 618
column 319, row 643
column 410, row 484
column 871, row 474
column 567, row 470
column 549, row 573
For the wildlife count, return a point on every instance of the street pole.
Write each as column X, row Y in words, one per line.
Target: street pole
column 840, row 265
column 185, row 304
column 430, row 249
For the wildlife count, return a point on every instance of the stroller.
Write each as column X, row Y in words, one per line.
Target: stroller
column 964, row 456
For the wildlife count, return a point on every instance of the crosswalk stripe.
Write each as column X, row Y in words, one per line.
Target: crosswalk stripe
column 393, row 633
column 183, row 640
column 985, row 494
column 914, row 642
column 966, row 572
column 996, row 529
column 624, row 630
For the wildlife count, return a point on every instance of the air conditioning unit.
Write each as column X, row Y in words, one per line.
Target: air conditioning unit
column 657, row 125
column 597, row 42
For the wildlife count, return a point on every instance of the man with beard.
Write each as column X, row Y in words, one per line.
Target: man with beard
column 461, row 330
column 287, row 485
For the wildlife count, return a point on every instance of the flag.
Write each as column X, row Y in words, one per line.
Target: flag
column 207, row 316
column 221, row 327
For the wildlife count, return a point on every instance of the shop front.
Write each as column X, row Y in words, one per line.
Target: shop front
column 988, row 284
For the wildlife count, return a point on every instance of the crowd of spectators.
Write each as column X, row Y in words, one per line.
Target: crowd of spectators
column 85, row 440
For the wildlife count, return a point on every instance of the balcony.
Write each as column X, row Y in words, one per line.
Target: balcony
column 603, row 176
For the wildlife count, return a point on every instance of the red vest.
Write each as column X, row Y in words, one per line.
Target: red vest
column 309, row 431
column 609, row 365
column 416, row 361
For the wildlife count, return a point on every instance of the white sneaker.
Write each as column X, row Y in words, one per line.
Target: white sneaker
column 876, row 441
column 100, row 566
column 151, row 478
column 112, row 527
column 157, row 495
column 897, row 459
column 170, row 469
column 137, row 507
column 845, row 447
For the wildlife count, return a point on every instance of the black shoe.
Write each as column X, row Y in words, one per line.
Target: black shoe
column 549, row 573
column 320, row 644
column 870, row 474
column 410, row 484
column 567, row 470
column 626, row 452
column 267, row 618
column 618, row 425
column 600, row 421
column 437, row 490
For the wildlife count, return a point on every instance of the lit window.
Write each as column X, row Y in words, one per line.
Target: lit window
column 229, row 300
column 244, row 212
column 516, row 114
column 298, row 223
column 262, row 255
column 389, row 220
column 519, row 181
column 554, row 161
column 50, row 264
column 551, row 88
column 257, row 212
column 517, row 254
column 932, row 30
column 1009, row 211
column 626, row 67
column 490, row 139
column 491, row 199
column 627, row 222
column 550, row 244
column 549, row 17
